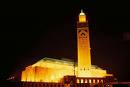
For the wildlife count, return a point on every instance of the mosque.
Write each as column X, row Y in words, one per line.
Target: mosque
column 53, row 70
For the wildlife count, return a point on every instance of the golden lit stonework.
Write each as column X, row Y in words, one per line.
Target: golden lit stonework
column 53, row 70
column 82, row 17
column 48, row 70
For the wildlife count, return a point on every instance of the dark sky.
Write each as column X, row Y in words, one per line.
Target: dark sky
column 30, row 32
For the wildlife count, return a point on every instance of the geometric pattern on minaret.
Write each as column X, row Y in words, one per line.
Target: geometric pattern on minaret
column 83, row 43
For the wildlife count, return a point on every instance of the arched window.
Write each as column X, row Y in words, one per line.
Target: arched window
column 89, row 80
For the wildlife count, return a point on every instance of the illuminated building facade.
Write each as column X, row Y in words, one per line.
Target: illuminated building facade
column 48, row 70
column 55, row 70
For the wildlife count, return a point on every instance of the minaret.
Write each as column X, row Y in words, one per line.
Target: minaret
column 83, row 44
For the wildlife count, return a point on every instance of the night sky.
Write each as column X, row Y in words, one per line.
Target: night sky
column 32, row 32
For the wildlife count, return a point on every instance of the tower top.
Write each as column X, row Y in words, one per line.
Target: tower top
column 82, row 13
column 82, row 17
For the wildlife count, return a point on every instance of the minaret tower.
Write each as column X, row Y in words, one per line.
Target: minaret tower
column 83, row 44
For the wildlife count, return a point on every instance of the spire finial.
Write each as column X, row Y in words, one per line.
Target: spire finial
column 82, row 13
column 81, row 10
